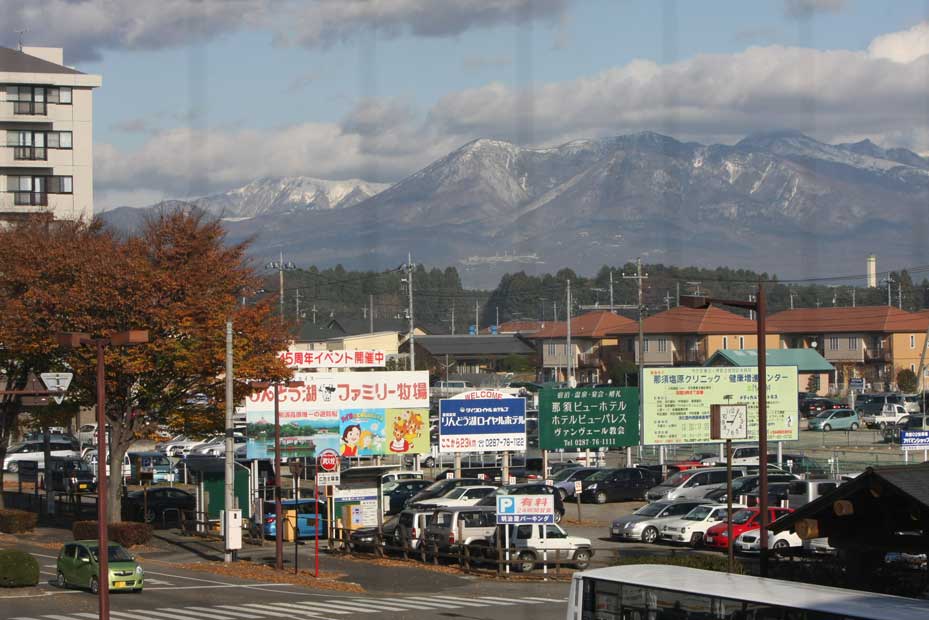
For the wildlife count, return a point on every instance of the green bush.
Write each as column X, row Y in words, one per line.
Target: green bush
column 126, row 534
column 17, row 521
column 704, row 562
column 17, row 569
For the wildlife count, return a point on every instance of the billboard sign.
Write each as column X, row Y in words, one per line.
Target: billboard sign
column 482, row 425
column 348, row 358
column 379, row 432
column 588, row 418
column 914, row 440
column 311, row 414
column 525, row 509
column 676, row 402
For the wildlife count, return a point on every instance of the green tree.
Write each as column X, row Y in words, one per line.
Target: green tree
column 907, row 381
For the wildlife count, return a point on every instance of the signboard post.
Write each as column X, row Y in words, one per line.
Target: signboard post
column 729, row 422
column 677, row 403
column 327, row 465
column 525, row 509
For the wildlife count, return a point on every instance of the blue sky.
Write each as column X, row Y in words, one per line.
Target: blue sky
column 200, row 97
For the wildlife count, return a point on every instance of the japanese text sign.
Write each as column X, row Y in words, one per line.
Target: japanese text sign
column 525, row 509
column 914, row 440
column 482, row 425
column 348, row 358
column 588, row 418
column 676, row 402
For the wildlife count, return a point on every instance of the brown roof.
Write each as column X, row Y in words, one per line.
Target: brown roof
column 596, row 324
column 885, row 319
column 681, row 320
column 517, row 327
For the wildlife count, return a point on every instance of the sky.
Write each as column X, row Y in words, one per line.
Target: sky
column 204, row 96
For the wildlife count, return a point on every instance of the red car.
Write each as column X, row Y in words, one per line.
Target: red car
column 742, row 521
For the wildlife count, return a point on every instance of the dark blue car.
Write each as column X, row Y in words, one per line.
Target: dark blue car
column 306, row 517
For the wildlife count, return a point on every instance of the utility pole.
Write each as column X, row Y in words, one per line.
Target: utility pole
column 667, row 300
column 498, row 319
column 900, row 296
column 409, row 287
column 229, row 486
column 640, row 278
column 889, row 299
column 678, row 298
column 314, row 314
column 792, row 300
column 751, row 313
column 854, row 290
column 297, row 298
column 281, row 267
column 371, row 313
column 611, row 290
column 568, row 352
column 453, row 316
column 554, row 310
column 477, row 319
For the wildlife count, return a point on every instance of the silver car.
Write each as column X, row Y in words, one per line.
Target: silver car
column 645, row 523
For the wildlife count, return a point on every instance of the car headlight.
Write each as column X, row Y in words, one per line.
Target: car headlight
column 683, row 530
column 138, row 570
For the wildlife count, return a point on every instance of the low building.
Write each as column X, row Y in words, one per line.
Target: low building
column 593, row 346
column 814, row 373
column 464, row 356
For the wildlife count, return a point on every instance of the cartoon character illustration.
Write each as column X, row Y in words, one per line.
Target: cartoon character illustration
column 399, row 443
column 406, row 427
column 351, row 437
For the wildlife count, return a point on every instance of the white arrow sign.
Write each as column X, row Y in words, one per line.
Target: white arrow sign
column 57, row 382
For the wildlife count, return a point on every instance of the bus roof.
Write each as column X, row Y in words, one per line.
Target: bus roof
column 792, row 594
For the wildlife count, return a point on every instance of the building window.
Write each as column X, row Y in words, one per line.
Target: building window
column 913, row 368
column 833, row 343
column 725, row 342
column 662, row 345
column 741, row 342
column 853, row 344
column 551, row 348
column 27, row 99
column 34, row 190
column 912, row 341
column 59, row 140
column 33, row 145
column 61, row 94
column 645, row 345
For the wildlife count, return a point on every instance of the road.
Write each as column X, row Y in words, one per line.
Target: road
column 172, row 593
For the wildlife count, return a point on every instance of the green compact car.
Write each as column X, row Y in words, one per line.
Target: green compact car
column 77, row 566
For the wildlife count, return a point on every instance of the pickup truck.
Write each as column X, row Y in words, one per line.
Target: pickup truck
column 890, row 414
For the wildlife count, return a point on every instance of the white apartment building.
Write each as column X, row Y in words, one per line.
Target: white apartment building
column 46, row 135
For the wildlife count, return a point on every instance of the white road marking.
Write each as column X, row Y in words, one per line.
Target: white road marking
column 151, row 572
column 410, row 604
column 136, row 614
column 457, row 601
column 248, row 586
column 380, row 604
column 55, row 617
column 156, row 582
column 488, row 599
column 314, row 606
column 512, row 600
column 170, row 614
column 194, row 612
column 277, row 610
column 550, row 600
column 230, row 613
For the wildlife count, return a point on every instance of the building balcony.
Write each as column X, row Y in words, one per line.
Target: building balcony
column 878, row 356
column 689, row 357
column 588, row 360
column 30, row 153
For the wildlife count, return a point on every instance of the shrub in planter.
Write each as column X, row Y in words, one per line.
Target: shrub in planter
column 705, row 562
column 17, row 521
column 126, row 534
column 18, row 569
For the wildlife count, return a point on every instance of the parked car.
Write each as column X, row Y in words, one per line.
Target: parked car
column 411, row 527
column 398, row 491
column 179, row 446
column 692, row 483
column 306, row 517
column 611, row 485
column 745, row 519
column 459, row 496
column 645, row 523
column 90, row 456
column 157, row 504
column 529, row 488
column 777, row 495
column 70, row 475
column 913, row 403
column 743, row 485
column 531, row 547
column 802, row 492
column 910, row 422
column 741, row 455
column 78, row 566
column 750, row 541
column 564, row 480
column 35, row 451
column 560, row 466
column 450, row 527
column 367, row 537
column 813, row 406
column 450, row 388
column 151, row 467
column 801, row 464
column 55, row 435
column 835, row 420
column 891, row 414
column 217, row 445
column 87, row 434
column 690, row 528
column 440, row 487
column 866, row 404
column 697, row 460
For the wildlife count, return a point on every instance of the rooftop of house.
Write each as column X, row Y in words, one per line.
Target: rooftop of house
column 596, row 324
column 882, row 319
column 681, row 320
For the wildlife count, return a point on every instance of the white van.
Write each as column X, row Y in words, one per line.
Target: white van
column 741, row 455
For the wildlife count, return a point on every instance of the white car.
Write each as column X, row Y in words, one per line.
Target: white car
column 180, row 446
column 216, row 446
column 690, row 528
column 556, row 545
column 87, row 434
column 90, row 456
column 750, row 541
column 460, row 496
column 35, row 451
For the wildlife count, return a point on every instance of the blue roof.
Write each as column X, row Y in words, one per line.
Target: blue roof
column 806, row 360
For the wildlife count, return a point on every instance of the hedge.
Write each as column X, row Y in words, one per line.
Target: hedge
column 127, row 534
column 705, row 562
column 18, row 569
column 17, row 521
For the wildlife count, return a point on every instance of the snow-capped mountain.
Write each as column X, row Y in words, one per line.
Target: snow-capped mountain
column 286, row 195
column 779, row 202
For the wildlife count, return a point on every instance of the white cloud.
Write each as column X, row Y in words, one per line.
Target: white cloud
column 904, row 46
column 806, row 8
column 87, row 28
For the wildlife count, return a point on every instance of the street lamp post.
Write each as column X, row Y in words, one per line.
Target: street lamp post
column 759, row 306
column 121, row 339
column 278, row 509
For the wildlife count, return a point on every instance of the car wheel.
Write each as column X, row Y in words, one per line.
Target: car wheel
column 582, row 558
column 150, row 515
column 854, row 426
column 13, row 467
column 696, row 540
column 650, row 535
column 429, row 462
column 601, row 497
column 882, row 425
column 94, row 585
column 563, row 494
column 558, row 516
column 527, row 562
column 826, row 428
column 781, row 545
column 61, row 582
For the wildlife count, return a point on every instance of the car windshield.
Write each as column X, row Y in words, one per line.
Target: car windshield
column 743, row 516
column 650, row 510
column 390, row 486
column 603, row 474
column 744, row 484
column 698, row 514
column 678, row 478
column 438, row 484
column 825, row 414
column 116, row 554
column 564, row 474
